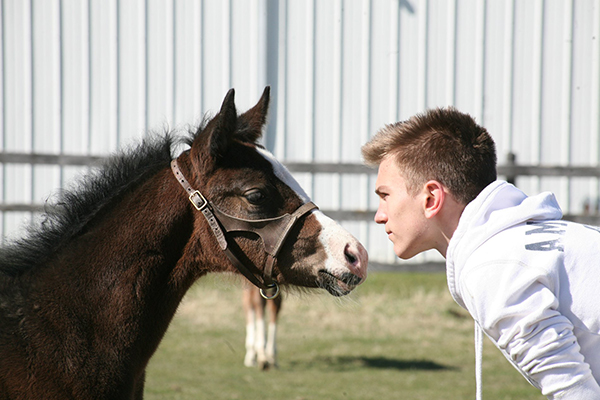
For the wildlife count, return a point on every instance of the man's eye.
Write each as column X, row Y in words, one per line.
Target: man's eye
column 255, row 196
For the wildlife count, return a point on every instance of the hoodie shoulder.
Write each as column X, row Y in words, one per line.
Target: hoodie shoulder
column 498, row 207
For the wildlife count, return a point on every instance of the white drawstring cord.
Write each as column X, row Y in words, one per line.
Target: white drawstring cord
column 478, row 359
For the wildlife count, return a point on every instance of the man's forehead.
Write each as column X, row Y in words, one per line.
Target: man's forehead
column 389, row 177
column 388, row 170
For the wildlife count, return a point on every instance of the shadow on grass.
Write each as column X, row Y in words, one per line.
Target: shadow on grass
column 354, row 362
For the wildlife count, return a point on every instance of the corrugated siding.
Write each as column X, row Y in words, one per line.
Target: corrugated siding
column 87, row 77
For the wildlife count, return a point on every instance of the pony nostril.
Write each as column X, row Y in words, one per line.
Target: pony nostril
column 350, row 257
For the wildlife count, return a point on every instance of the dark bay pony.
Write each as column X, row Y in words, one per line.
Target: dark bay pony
column 86, row 297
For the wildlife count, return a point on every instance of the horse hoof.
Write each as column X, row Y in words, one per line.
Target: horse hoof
column 250, row 362
column 264, row 366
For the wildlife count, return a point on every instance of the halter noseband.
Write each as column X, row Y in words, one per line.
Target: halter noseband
column 272, row 231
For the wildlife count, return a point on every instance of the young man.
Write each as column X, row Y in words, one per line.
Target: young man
column 530, row 280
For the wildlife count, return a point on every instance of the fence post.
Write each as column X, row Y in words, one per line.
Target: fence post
column 511, row 161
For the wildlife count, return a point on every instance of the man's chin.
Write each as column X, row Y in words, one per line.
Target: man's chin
column 405, row 254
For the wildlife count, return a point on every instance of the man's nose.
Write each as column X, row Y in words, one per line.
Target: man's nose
column 380, row 216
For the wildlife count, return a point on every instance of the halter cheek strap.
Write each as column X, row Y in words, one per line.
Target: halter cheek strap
column 201, row 204
column 273, row 232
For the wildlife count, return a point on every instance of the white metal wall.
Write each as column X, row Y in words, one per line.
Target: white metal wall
column 88, row 76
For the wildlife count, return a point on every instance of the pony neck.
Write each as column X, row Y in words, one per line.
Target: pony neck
column 125, row 269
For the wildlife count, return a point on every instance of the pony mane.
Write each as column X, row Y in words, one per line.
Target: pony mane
column 68, row 211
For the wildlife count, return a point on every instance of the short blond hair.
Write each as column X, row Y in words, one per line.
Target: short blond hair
column 442, row 144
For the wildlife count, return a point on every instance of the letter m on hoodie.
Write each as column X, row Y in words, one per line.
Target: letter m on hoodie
column 552, row 227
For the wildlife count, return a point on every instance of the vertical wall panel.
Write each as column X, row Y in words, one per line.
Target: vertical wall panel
column 188, row 62
column 593, row 188
column 46, row 77
column 17, row 60
column 104, row 78
column 299, row 74
column 279, row 21
column 581, row 138
column 439, row 64
column 159, row 64
column 216, row 46
column 18, row 87
column 412, row 57
column 74, row 80
column 74, row 51
column 132, row 70
column 47, row 120
column 327, row 106
column 468, row 57
column 383, row 60
column 2, row 116
column 244, row 52
column 2, row 76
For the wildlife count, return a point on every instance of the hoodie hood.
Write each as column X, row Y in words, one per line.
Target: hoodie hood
column 498, row 207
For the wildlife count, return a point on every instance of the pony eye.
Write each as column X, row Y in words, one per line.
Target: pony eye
column 255, row 196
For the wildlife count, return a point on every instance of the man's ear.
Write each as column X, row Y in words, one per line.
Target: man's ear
column 435, row 196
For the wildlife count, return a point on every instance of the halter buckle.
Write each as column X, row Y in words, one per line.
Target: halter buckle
column 200, row 205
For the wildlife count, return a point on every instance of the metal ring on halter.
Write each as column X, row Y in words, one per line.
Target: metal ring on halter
column 269, row 287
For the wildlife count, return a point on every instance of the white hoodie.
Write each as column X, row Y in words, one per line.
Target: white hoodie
column 532, row 283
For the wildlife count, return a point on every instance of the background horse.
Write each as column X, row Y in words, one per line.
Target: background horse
column 86, row 297
column 261, row 334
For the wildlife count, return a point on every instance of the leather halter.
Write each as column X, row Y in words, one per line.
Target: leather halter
column 272, row 231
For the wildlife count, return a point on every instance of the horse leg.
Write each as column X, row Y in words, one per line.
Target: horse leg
column 274, row 306
column 248, row 303
column 258, row 304
column 261, row 348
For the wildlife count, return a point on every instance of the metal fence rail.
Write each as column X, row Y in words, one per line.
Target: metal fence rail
column 511, row 171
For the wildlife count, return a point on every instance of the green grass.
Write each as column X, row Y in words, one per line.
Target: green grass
column 398, row 336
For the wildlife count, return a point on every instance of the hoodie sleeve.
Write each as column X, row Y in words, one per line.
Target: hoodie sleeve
column 516, row 307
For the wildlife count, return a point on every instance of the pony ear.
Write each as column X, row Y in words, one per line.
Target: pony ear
column 210, row 143
column 251, row 123
column 225, row 126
